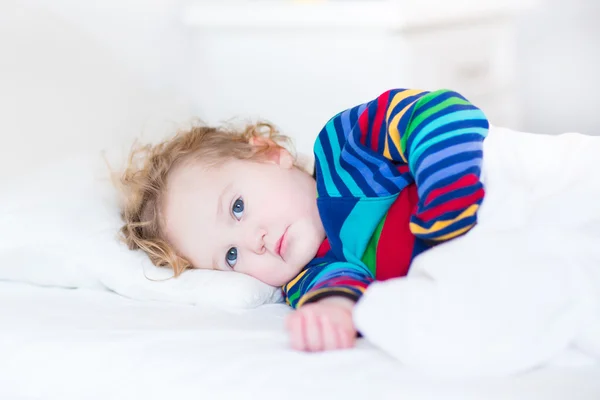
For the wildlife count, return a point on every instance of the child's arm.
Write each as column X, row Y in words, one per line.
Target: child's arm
column 323, row 279
column 439, row 136
column 377, row 149
column 324, row 295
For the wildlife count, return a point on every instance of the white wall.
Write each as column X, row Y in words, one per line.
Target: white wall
column 558, row 59
column 71, row 80
column 559, row 78
column 145, row 36
column 80, row 74
column 297, row 79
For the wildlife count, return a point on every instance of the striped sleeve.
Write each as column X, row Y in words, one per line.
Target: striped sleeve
column 431, row 138
column 327, row 279
column 440, row 136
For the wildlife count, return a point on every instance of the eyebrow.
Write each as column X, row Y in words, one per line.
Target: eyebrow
column 220, row 200
column 218, row 216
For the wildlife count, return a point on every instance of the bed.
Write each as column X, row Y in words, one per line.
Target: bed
column 79, row 319
column 75, row 344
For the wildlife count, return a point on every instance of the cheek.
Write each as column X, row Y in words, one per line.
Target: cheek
column 270, row 271
column 287, row 201
column 271, row 276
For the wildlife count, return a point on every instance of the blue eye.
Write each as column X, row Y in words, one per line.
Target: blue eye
column 231, row 257
column 238, row 211
column 238, row 208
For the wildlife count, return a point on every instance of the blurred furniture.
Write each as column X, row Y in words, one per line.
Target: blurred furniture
column 297, row 63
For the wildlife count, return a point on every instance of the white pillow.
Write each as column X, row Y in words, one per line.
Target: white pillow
column 58, row 227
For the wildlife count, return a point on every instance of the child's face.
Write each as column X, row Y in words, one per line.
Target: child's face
column 257, row 218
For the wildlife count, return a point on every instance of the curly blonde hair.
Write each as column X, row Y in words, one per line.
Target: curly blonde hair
column 144, row 181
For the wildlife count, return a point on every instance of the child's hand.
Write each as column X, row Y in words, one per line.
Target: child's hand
column 324, row 325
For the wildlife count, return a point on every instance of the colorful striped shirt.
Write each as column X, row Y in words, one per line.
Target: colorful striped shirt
column 395, row 176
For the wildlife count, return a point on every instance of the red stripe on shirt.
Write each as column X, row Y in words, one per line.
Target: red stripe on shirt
column 403, row 168
column 467, row 180
column 396, row 242
column 457, row 204
column 341, row 281
column 382, row 103
column 323, row 249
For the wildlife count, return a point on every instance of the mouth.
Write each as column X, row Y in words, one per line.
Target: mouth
column 279, row 246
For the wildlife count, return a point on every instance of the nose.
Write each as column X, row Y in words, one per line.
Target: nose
column 255, row 240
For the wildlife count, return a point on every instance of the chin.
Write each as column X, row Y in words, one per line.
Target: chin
column 292, row 273
column 276, row 282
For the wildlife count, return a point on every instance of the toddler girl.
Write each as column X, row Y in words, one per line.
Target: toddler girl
column 393, row 177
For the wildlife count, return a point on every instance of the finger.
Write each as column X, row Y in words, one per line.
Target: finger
column 312, row 332
column 339, row 333
column 294, row 325
column 289, row 320
column 347, row 337
column 329, row 334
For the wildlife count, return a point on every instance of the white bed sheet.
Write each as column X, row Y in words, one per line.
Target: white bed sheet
column 86, row 344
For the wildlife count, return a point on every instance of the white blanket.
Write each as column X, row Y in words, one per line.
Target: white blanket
column 522, row 287
column 59, row 344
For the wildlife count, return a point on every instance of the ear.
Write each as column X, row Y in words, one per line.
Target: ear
column 260, row 141
column 276, row 154
column 285, row 159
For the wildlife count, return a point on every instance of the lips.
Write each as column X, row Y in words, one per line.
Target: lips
column 279, row 246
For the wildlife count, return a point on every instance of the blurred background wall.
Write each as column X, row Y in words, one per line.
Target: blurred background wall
column 558, row 49
column 78, row 74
